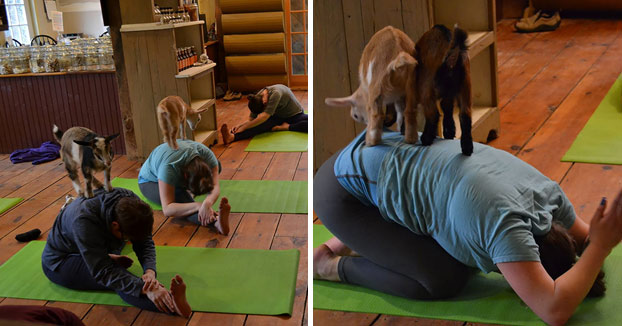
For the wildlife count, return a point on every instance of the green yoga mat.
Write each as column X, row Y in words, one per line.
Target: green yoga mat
column 279, row 141
column 237, row 281
column 601, row 138
column 486, row 299
column 247, row 196
column 7, row 203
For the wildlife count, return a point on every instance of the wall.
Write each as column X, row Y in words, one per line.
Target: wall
column 78, row 17
column 208, row 7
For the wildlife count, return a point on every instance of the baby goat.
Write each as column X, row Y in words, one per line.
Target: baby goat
column 386, row 76
column 173, row 114
column 443, row 74
column 81, row 147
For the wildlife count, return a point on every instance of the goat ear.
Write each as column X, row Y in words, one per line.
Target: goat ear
column 111, row 137
column 339, row 101
column 201, row 110
column 83, row 143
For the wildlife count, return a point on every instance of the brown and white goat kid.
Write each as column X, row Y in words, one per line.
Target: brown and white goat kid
column 443, row 73
column 386, row 76
column 82, row 148
column 173, row 113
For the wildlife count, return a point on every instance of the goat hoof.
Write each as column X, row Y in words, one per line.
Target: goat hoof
column 411, row 139
column 467, row 148
column 426, row 141
column 373, row 138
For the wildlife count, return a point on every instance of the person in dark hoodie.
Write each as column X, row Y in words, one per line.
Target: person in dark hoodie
column 84, row 246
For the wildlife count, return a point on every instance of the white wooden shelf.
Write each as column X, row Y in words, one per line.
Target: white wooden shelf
column 206, row 137
column 483, row 120
column 195, row 71
column 478, row 41
column 199, row 104
column 156, row 26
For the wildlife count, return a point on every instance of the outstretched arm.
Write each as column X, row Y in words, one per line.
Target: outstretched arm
column 556, row 300
column 170, row 207
column 206, row 214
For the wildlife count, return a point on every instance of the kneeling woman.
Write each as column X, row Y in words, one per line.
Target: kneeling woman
column 172, row 177
column 274, row 108
column 420, row 219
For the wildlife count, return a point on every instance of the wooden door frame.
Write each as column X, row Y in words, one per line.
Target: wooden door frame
column 296, row 81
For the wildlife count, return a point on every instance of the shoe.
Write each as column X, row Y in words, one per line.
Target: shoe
column 540, row 22
column 237, row 96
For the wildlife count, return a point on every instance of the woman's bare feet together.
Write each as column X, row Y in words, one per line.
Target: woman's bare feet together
column 325, row 264
column 282, row 127
column 178, row 289
column 222, row 222
column 339, row 248
column 227, row 136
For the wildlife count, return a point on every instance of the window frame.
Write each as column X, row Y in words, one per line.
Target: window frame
column 297, row 81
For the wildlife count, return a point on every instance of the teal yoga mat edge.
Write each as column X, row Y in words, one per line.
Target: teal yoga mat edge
column 272, row 311
column 13, row 202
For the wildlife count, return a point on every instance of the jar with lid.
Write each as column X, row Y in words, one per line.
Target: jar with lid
column 77, row 58
column 5, row 63
column 50, row 59
column 106, row 61
column 21, row 60
column 91, row 58
column 64, row 58
column 37, row 62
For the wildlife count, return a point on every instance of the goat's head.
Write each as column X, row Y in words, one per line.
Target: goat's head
column 102, row 150
column 356, row 102
column 194, row 117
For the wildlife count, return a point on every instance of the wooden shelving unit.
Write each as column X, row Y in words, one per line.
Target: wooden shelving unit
column 150, row 60
column 477, row 17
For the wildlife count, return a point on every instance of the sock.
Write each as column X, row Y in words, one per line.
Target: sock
column 28, row 236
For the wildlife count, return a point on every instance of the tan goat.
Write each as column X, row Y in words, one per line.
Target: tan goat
column 173, row 113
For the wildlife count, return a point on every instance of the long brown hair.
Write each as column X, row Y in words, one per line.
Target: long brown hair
column 199, row 177
column 255, row 102
column 558, row 253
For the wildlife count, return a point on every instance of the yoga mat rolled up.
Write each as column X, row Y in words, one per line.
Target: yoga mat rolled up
column 237, row 6
column 8, row 203
column 246, row 196
column 600, row 140
column 256, row 22
column 279, row 141
column 487, row 298
column 254, row 43
column 239, row 281
column 256, row 64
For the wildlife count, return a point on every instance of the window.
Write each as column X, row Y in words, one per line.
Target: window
column 297, row 34
column 18, row 22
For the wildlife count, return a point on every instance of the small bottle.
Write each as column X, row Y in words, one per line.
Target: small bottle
column 179, row 60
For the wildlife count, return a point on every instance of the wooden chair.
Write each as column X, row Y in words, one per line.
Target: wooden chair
column 104, row 34
column 42, row 40
column 16, row 43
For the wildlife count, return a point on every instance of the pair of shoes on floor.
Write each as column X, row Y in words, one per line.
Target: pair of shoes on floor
column 539, row 22
column 232, row 96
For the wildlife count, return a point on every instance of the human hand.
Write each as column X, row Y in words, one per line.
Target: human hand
column 162, row 299
column 606, row 227
column 206, row 214
column 151, row 283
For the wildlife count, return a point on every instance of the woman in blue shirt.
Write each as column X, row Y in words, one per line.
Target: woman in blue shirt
column 173, row 177
column 422, row 218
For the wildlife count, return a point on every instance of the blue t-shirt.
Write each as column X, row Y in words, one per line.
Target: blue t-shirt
column 482, row 209
column 166, row 164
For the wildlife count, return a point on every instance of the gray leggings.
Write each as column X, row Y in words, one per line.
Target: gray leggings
column 393, row 259
column 151, row 190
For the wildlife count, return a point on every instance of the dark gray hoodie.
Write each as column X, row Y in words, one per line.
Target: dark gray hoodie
column 83, row 228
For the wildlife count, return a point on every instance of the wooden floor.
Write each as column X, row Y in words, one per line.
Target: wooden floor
column 44, row 187
column 549, row 86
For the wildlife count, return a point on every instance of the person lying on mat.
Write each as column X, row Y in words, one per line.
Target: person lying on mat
column 274, row 108
column 84, row 245
column 173, row 177
column 414, row 221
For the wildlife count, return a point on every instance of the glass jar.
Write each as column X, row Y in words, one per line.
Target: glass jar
column 105, row 59
column 20, row 60
column 91, row 59
column 77, row 58
column 51, row 60
column 64, row 58
column 37, row 62
column 5, row 64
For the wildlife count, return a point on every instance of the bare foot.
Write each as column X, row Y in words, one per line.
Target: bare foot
column 123, row 261
column 339, row 248
column 283, row 127
column 227, row 136
column 178, row 289
column 222, row 223
column 325, row 264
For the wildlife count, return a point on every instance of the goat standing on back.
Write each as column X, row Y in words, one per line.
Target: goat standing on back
column 386, row 76
column 81, row 147
column 443, row 74
column 173, row 114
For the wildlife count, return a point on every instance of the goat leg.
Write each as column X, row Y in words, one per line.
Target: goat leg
column 431, row 122
column 88, row 177
column 376, row 121
column 107, row 184
column 75, row 179
column 449, row 125
column 464, row 102
column 410, row 118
